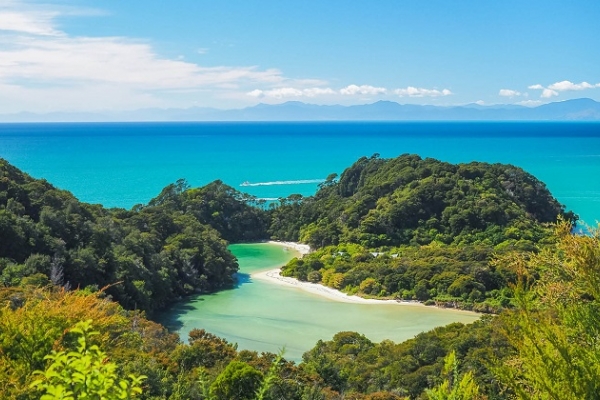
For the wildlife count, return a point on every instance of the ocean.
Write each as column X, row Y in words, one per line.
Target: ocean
column 123, row 164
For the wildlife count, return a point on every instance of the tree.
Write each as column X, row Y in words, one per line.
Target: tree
column 556, row 324
column 85, row 373
column 237, row 381
column 454, row 387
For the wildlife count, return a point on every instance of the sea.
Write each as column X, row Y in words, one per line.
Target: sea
column 124, row 164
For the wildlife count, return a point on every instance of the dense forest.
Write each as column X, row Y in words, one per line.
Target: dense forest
column 544, row 347
column 440, row 221
column 150, row 256
column 409, row 200
column 420, row 229
column 78, row 279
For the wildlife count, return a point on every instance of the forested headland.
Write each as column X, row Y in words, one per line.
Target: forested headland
column 480, row 236
column 420, row 229
column 149, row 256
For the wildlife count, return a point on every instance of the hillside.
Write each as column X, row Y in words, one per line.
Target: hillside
column 489, row 230
column 558, row 323
column 409, row 200
column 150, row 256
column 153, row 255
column 420, row 229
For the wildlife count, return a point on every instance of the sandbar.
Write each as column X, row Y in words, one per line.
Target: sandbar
column 299, row 247
column 274, row 276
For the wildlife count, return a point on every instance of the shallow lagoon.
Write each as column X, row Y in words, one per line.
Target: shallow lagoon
column 263, row 316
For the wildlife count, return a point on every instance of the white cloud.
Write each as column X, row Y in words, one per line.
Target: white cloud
column 351, row 90
column 279, row 93
column 256, row 93
column 420, row 92
column 317, row 92
column 567, row 85
column 509, row 93
column 547, row 93
column 562, row 86
column 112, row 60
column 34, row 23
column 480, row 102
column 38, row 59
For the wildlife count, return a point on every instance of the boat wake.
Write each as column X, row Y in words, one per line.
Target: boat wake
column 298, row 182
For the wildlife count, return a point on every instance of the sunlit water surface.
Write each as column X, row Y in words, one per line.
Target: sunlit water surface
column 263, row 316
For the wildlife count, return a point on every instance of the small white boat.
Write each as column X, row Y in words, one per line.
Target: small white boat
column 245, row 183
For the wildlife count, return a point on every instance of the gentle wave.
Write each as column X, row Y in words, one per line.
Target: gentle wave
column 298, row 182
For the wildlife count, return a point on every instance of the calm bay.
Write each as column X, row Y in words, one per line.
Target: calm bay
column 262, row 316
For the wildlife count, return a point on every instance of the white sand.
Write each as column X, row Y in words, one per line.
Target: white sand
column 274, row 276
column 299, row 247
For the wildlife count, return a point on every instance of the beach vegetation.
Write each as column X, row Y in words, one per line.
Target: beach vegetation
column 448, row 275
column 420, row 229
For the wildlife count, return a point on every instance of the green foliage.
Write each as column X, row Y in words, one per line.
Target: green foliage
column 174, row 246
column 409, row 200
column 467, row 235
column 449, row 275
column 351, row 364
column 171, row 248
column 204, row 350
column 420, row 229
column 454, row 387
column 556, row 324
column 85, row 373
column 37, row 322
column 237, row 381
column 34, row 321
column 236, row 216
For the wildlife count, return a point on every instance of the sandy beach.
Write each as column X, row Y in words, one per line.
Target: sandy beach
column 274, row 276
column 299, row 247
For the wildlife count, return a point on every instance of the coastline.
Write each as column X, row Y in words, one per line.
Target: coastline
column 300, row 248
column 274, row 276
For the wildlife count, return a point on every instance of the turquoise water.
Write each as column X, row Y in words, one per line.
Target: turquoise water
column 262, row 316
column 126, row 164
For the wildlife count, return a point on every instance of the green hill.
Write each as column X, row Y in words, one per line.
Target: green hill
column 409, row 200
column 151, row 255
column 419, row 229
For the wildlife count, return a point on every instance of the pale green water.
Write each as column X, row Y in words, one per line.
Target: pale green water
column 264, row 316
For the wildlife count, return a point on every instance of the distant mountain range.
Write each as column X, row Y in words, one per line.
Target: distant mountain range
column 569, row 110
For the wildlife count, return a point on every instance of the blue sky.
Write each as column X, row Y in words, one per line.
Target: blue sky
column 79, row 55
